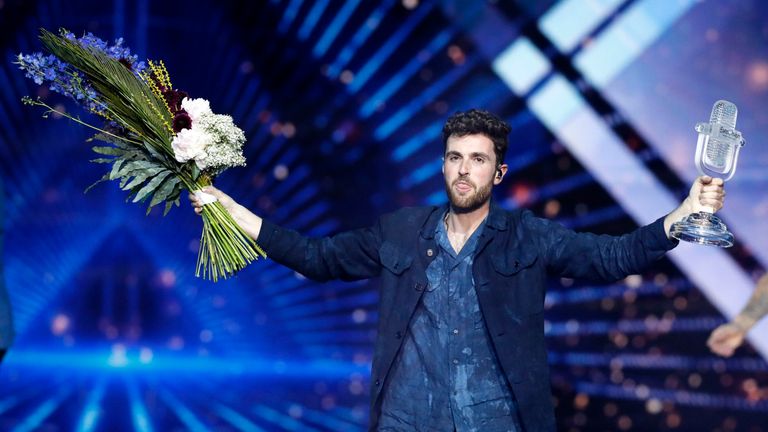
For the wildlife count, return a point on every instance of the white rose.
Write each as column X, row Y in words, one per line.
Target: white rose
column 190, row 144
column 196, row 108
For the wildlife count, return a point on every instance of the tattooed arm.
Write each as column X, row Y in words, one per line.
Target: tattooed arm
column 725, row 339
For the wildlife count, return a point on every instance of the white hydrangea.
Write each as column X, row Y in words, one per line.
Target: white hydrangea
column 226, row 148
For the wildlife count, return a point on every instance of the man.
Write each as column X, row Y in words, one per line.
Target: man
column 461, row 330
column 726, row 338
column 6, row 325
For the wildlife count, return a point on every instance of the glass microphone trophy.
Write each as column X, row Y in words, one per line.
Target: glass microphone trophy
column 717, row 151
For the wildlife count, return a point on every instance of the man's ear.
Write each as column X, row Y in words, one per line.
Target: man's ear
column 501, row 171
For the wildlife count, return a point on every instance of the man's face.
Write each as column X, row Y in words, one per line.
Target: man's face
column 469, row 168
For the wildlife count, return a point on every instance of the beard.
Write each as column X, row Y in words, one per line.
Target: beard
column 470, row 201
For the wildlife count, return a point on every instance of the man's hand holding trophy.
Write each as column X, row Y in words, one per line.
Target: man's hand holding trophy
column 717, row 151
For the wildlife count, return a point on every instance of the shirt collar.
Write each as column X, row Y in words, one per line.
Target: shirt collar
column 496, row 220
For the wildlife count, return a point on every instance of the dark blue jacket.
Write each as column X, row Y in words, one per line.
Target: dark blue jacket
column 515, row 253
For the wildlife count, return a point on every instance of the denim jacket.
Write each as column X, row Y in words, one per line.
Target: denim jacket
column 514, row 255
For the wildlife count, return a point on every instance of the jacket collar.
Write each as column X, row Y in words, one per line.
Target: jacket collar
column 496, row 219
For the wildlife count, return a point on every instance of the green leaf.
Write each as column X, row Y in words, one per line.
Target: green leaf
column 151, row 186
column 142, row 176
column 195, row 172
column 138, row 165
column 113, row 174
column 176, row 192
column 121, row 143
column 132, row 155
column 124, row 181
column 165, row 191
column 151, row 150
column 135, row 155
column 170, row 204
column 108, row 150
column 102, row 179
column 102, row 160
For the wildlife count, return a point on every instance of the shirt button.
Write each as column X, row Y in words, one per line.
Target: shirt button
column 455, row 361
column 399, row 335
column 455, row 331
column 418, row 286
column 378, row 383
column 430, row 252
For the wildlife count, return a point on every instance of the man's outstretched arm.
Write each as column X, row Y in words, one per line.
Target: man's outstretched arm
column 725, row 339
column 609, row 258
column 350, row 255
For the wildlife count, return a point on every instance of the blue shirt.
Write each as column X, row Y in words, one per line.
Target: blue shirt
column 447, row 376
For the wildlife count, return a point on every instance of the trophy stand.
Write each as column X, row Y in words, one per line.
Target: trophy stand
column 717, row 151
column 702, row 228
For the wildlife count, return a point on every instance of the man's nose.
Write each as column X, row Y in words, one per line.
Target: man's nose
column 464, row 167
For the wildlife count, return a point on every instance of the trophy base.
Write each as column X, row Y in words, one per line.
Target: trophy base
column 702, row 228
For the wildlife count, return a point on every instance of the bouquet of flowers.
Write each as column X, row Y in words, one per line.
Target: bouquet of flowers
column 159, row 141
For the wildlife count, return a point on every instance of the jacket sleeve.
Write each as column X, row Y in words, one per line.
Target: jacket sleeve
column 597, row 257
column 350, row 255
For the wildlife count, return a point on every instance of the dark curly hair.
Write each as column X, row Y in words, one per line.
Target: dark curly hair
column 477, row 121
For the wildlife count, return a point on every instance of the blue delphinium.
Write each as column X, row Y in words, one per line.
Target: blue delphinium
column 63, row 79
column 117, row 51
